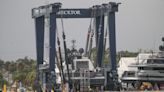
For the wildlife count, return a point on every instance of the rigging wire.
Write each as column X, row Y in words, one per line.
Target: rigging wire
column 87, row 41
column 65, row 50
column 106, row 34
column 58, row 65
column 92, row 32
column 105, row 40
column 88, row 36
column 60, row 56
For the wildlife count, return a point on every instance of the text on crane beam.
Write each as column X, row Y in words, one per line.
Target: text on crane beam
column 69, row 12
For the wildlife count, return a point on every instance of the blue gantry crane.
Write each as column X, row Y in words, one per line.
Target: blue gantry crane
column 98, row 13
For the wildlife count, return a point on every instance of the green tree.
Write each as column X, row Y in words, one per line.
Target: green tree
column 23, row 70
column 106, row 57
column 30, row 78
column 1, row 64
column 6, row 65
column 12, row 67
column 2, row 81
column 126, row 54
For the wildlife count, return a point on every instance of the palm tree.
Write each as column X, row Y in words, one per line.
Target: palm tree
column 2, row 81
column 31, row 75
column 1, row 64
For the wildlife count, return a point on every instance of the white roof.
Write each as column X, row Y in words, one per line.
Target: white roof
column 142, row 57
column 124, row 63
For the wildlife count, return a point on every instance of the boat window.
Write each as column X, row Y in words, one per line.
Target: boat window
column 150, row 68
column 140, row 68
column 150, row 61
column 82, row 64
column 147, row 68
column 155, row 61
column 159, row 61
column 158, row 68
column 131, row 73
column 128, row 73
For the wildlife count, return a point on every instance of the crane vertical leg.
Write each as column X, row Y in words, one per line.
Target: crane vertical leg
column 112, row 39
column 52, row 41
column 52, row 47
column 39, row 27
column 99, row 39
column 113, row 83
column 97, row 28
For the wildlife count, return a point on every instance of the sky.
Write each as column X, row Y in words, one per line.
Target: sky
column 139, row 25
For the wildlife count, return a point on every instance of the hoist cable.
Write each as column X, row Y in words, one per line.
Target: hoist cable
column 58, row 65
column 88, row 36
column 65, row 50
column 87, row 42
column 92, row 33
column 104, row 46
column 60, row 56
column 106, row 34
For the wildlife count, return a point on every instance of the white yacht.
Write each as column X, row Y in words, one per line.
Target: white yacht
column 145, row 68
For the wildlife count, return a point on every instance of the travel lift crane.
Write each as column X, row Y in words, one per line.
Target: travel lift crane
column 55, row 11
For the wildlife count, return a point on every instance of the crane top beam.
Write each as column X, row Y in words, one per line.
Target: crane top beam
column 94, row 11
